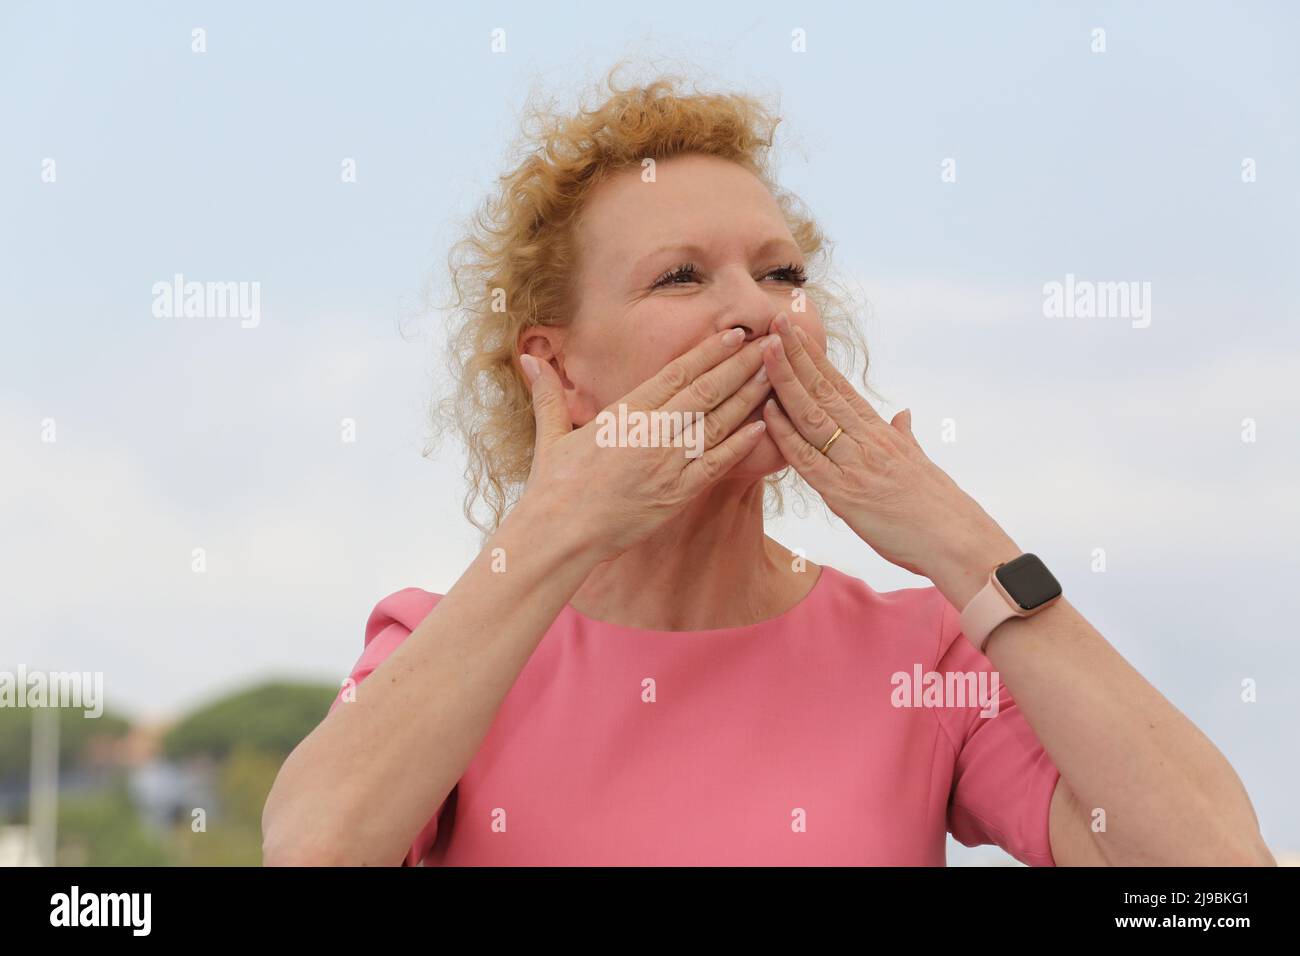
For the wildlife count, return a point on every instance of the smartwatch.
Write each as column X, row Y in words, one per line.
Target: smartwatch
column 1020, row 587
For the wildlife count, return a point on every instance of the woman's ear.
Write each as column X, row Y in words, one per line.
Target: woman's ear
column 546, row 343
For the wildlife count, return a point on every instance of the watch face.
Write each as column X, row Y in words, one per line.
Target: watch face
column 1028, row 582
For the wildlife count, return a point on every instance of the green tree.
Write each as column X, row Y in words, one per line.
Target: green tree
column 272, row 718
column 103, row 829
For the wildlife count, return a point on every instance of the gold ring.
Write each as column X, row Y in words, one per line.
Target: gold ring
column 838, row 433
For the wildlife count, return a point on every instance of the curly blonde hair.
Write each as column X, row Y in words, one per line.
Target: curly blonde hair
column 511, row 269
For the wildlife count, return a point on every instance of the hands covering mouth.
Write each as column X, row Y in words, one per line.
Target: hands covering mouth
column 757, row 413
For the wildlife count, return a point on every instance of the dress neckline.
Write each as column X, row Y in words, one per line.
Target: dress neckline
column 799, row 607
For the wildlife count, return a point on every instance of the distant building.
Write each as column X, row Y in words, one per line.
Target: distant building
column 17, row 848
column 166, row 793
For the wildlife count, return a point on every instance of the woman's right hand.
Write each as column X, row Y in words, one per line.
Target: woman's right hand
column 617, row 496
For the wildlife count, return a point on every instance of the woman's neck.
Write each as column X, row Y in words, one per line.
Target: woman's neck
column 710, row 566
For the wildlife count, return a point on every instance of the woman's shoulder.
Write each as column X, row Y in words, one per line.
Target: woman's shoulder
column 407, row 608
column 859, row 590
column 918, row 614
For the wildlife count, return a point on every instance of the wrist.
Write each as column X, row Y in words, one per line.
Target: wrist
column 965, row 567
column 571, row 540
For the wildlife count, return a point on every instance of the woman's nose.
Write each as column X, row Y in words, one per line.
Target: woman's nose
column 754, row 329
column 749, row 308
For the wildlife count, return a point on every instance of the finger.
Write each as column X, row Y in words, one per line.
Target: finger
column 808, row 417
column 724, row 419
column 683, row 370
column 806, row 459
column 866, row 412
column 716, row 462
column 818, row 384
column 903, row 422
column 720, row 382
column 550, row 411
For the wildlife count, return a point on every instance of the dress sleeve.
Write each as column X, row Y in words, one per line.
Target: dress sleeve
column 1003, row 779
column 390, row 623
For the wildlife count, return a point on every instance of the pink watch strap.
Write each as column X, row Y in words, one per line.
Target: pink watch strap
column 985, row 611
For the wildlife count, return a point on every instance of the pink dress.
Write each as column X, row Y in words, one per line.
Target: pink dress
column 803, row 740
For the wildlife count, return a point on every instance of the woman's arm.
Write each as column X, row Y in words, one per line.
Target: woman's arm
column 359, row 788
column 1169, row 796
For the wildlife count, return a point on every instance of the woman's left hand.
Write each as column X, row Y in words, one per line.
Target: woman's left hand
column 875, row 475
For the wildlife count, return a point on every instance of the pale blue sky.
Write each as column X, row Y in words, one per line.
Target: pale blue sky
column 1073, row 433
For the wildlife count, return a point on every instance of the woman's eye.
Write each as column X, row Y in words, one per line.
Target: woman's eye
column 687, row 272
column 679, row 276
column 791, row 273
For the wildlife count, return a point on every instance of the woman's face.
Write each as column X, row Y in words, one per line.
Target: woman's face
column 665, row 264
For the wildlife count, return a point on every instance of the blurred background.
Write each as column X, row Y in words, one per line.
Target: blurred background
column 203, row 511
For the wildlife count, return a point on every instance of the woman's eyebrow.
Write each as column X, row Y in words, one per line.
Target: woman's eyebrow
column 689, row 249
column 699, row 252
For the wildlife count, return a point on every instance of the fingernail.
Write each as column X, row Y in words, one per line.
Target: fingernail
column 761, row 376
column 733, row 337
column 532, row 368
column 782, row 323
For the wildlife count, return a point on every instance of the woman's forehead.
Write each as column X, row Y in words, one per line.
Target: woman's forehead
column 691, row 199
column 676, row 185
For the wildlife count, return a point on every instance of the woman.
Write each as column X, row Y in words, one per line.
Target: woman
column 631, row 672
